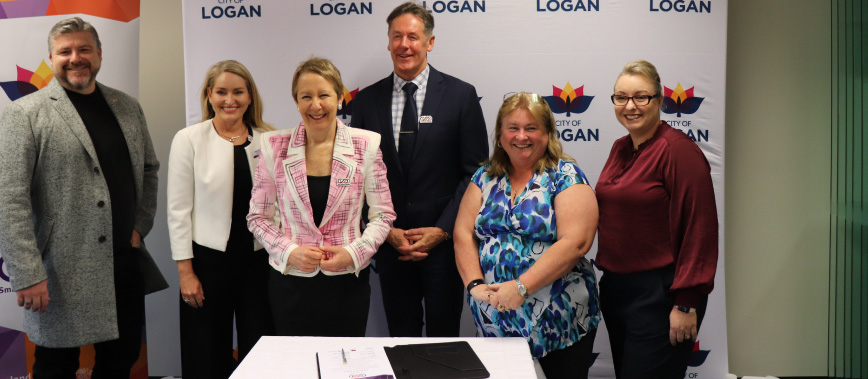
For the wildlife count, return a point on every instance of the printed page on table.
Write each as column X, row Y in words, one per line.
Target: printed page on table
column 350, row 363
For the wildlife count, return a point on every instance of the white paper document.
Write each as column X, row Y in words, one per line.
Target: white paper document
column 354, row 363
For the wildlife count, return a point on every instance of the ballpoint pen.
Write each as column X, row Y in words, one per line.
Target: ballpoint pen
column 344, row 356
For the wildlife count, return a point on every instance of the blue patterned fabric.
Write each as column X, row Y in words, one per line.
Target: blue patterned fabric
column 511, row 239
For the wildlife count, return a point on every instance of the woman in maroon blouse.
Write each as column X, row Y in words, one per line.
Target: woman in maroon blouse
column 658, row 234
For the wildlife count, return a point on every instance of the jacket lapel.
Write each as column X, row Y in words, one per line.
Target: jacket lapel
column 253, row 151
column 69, row 115
column 433, row 97
column 343, row 171
column 295, row 169
column 125, row 116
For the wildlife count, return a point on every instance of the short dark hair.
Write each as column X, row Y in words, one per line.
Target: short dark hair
column 416, row 10
column 71, row 25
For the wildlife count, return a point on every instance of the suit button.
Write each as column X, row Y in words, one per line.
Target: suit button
column 101, row 239
column 100, row 204
column 96, row 170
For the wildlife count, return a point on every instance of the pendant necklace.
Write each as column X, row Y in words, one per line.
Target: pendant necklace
column 232, row 139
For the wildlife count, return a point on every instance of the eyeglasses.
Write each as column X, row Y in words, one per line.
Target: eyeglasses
column 533, row 97
column 621, row 100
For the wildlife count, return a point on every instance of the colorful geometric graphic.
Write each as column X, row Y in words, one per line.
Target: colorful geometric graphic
column 28, row 81
column 347, row 103
column 697, row 357
column 680, row 101
column 13, row 361
column 120, row 10
column 568, row 100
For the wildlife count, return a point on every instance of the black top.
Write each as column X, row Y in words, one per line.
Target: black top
column 318, row 187
column 240, row 238
column 114, row 160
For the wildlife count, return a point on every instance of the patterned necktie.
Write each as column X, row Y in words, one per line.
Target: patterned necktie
column 409, row 127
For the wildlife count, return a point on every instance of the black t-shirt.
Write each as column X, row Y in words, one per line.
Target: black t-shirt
column 114, row 161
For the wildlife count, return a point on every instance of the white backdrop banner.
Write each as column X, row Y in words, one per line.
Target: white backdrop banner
column 26, row 68
column 570, row 51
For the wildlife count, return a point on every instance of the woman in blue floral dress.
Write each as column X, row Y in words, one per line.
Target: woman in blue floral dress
column 523, row 228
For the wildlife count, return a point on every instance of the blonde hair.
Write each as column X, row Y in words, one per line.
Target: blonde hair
column 646, row 69
column 539, row 109
column 253, row 116
column 322, row 67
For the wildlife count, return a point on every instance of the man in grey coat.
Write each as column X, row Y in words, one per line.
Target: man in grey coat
column 78, row 192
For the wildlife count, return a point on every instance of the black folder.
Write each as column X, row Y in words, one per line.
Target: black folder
column 447, row 360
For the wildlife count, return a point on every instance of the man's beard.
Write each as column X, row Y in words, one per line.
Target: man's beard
column 80, row 83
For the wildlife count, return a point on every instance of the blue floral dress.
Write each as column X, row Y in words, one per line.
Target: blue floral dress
column 511, row 239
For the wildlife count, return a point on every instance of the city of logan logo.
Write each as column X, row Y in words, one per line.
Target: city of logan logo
column 28, row 81
column 680, row 101
column 347, row 103
column 568, row 100
column 697, row 356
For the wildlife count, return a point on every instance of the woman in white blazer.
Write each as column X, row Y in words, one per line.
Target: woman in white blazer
column 316, row 178
column 223, row 270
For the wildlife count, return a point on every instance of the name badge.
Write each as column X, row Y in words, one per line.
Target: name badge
column 343, row 182
column 426, row 119
column 257, row 153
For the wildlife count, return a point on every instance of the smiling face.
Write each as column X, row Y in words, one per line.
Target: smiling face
column 75, row 60
column 317, row 101
column 230, row 98
column 641, row 121
column 523, row 138
column 409, row 45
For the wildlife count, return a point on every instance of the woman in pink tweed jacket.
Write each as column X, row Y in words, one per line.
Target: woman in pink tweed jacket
column 309, row 189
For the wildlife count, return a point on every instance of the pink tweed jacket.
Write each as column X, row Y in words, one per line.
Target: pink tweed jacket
column 280, row 212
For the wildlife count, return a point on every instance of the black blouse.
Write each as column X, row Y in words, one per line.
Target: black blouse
column 240, row 238
column 318, row 188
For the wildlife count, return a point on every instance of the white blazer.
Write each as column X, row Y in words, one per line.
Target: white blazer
column 200, row 187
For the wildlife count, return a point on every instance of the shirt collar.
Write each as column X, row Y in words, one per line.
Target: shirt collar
column 420, row 80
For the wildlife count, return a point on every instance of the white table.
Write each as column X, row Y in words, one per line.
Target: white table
column 295, row 357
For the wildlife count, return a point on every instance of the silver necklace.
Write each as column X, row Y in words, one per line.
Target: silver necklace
column 232, row 139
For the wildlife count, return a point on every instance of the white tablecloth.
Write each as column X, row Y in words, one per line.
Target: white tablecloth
column 295, row 357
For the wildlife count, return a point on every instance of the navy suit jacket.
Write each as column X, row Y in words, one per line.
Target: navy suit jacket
column 448, row 150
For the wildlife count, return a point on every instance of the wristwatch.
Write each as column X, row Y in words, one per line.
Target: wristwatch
column 684, row 309
column 522, row 290
column 474, row 283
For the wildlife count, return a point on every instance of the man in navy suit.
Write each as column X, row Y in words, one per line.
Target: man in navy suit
column 433, row 140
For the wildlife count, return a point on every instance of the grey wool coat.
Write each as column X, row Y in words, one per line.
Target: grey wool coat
column 50, row 224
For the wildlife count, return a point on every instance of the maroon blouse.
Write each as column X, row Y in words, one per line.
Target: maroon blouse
column 657, row 208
